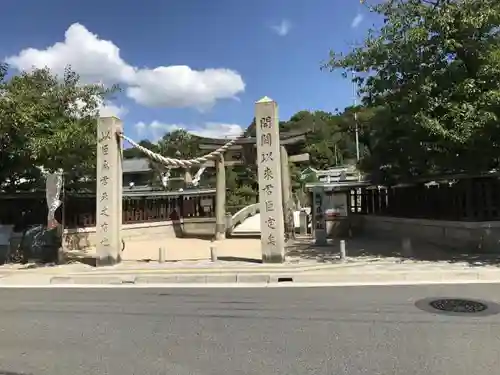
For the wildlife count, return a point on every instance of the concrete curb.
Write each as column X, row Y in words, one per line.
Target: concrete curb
column 60, row 271
column 283, row 278
column 221, row 270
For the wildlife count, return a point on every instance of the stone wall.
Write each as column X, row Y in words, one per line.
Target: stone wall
column 84, row 238
column 470, row 236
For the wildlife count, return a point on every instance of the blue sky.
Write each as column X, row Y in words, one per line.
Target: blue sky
column 194, row 64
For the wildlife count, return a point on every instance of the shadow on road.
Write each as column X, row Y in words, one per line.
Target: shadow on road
column 375, row 250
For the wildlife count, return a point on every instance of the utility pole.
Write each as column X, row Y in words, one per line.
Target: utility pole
column 355, row 103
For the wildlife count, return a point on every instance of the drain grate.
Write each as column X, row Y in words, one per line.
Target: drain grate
column 458, row 306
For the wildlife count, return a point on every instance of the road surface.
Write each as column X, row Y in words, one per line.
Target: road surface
column 342, row 330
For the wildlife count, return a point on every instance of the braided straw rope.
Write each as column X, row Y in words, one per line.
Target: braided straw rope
column 184, row 163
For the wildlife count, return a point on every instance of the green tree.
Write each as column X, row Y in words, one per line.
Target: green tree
column 433, row 71
column 47, row 122
column 134, row 153
column 179, row 144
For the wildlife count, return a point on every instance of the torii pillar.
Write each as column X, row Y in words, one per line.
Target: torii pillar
column 220, row 198
column 109, row 191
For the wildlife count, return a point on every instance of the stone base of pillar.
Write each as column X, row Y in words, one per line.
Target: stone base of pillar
column 108, row 261
column 220, row 236
column 220, row 231
column 273, row 258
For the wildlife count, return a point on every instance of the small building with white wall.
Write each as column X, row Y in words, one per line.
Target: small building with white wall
column 332, row 206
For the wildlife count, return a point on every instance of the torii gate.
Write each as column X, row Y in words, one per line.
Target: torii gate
column 270, row 159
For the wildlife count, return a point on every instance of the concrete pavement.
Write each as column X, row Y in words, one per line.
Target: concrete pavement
column 353, row 272
column 369, row 262
column 182, row 249
column 320, row 331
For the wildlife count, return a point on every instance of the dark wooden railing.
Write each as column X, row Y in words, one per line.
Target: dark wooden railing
column 466, row 199
column 79, row 210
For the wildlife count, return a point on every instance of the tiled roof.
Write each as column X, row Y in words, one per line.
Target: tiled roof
column 136, row 165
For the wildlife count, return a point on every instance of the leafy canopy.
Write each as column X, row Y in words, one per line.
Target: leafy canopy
column 47, row 122
column 432, row 70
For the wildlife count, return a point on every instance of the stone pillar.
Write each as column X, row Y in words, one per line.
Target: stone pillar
column 119, row 172
column 318, row 213
column 287, row 193
column 109, row 191
column 270, row 189
column 220, row 199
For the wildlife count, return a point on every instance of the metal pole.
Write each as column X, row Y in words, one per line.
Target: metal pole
column 213, row 252
column 342, row 250
column 357, row 136
column 161, row 255
column 355, row 103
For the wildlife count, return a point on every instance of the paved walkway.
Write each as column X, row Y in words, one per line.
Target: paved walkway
column 302, row 252
column 187, row 249
column 252, row 223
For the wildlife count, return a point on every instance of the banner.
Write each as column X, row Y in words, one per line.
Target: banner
column 53, row 187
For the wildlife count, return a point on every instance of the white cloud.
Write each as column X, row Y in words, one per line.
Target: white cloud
column 357, row 20
column 282, row 28
column 99, row 60
column 217, row 130
column 180, row 86
column 156, row 129
column 109, row 109
column 105, row 109
column 96, row 60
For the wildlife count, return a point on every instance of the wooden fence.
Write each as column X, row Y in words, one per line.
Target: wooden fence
column 464, row 199
column 23, row 210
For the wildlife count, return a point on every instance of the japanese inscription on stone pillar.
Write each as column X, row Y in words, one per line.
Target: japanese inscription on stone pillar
column 319, row 216
column 269, row 173
column 108, row 218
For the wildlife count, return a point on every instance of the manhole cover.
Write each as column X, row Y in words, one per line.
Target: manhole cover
column 458, row 306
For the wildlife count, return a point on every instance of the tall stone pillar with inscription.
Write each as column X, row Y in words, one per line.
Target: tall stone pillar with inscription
column 109, row 191
column 269, row 172
column 319, row 219
column 220, row 199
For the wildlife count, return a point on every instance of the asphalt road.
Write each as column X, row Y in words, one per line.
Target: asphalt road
column 342, row 330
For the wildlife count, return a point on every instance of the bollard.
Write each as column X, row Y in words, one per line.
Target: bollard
column 303, row 222
column 342, row 250
column 406, row 247
column 161, row 255
column 213, row 252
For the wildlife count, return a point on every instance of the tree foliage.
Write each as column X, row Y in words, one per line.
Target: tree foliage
column 430, row 78
column 327, row 142
column 47, row 123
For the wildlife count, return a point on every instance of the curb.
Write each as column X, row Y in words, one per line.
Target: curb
column 221, row 270
column 186, row 270
column 284, row 278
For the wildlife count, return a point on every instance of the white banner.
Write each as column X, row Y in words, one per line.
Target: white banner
column 53, row 187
